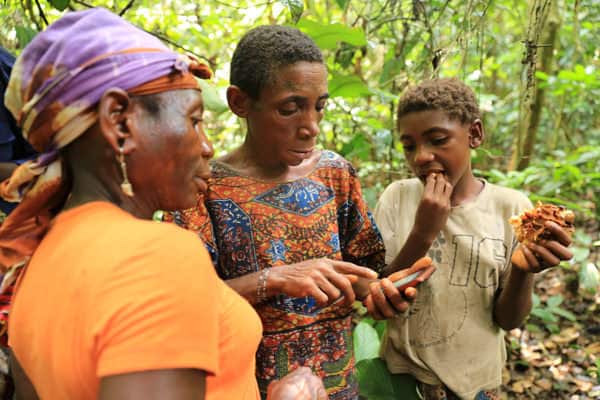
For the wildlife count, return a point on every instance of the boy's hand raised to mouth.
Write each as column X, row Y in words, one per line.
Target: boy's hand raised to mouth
column 434, row 207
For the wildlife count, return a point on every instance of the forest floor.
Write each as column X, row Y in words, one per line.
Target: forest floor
column 561, row 359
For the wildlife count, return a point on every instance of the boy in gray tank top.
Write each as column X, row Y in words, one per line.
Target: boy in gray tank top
column 451, row 340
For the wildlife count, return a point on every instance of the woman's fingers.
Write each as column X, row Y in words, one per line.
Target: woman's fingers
column 335, row 285
column 345, row 267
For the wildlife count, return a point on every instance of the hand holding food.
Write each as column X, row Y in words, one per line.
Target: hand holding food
column 393, row 294
column 530, row 225
column 544, row 233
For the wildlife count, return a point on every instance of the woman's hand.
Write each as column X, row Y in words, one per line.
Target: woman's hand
column 324, row 279
column 301, row 384
column 536, row 257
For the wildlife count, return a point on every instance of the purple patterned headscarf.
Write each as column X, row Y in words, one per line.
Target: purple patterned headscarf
column 55, row 84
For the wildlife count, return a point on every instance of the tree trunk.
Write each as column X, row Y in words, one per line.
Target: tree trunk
column 545, row 65
column 537, row 17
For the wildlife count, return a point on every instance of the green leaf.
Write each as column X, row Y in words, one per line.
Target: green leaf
column 296, row 8
column 59, row 4
column 553, row 328
column 342, row 3
column 589, row 278
column 328, row 36
column 535, row 300
column 555, row 301
column 24, row 35
column 210, row 95
column 377, row 383
column 347, row 87
column 545, row 315
column 533, row 328
column 580, row 254
column 366, row 342
column 565, row 314
column 391, row 68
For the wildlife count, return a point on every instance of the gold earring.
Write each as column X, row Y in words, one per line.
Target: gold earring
column 126, row 185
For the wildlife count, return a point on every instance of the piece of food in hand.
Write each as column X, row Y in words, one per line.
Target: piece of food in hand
column 408, row 277
column 530, row 225
column 420, row 271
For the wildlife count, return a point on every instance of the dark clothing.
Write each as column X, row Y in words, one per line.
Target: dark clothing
column 13, row 147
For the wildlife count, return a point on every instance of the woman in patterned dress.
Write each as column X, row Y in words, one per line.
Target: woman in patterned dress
column 286, row 223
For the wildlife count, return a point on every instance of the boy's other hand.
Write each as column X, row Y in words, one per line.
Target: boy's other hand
column 434, row 207
column 536, row 257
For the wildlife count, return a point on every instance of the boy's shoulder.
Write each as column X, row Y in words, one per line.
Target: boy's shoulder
column 503, row 202
column 508, row 196
column 401, row 191
column 404, row 186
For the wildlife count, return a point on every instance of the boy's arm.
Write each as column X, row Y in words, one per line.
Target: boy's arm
column 430, row 218
column 514, row 301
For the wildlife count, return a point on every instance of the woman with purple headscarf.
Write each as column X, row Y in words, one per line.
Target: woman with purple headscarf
column 108, row 305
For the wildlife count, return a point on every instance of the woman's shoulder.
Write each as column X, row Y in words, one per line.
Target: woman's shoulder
column 113, row 224
column 332, row 160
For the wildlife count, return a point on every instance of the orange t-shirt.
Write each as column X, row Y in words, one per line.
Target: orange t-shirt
column 106, row 293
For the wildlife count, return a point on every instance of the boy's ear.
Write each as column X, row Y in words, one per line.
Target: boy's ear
column 115, row 116
column 476, row 134
column 238, row 100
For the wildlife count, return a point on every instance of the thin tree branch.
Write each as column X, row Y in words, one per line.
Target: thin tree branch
column 83, row 3
column 127, row 7
column 174, row 44
column 39, row 7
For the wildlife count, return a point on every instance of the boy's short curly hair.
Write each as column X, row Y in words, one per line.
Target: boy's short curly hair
column 449, row 95
column 265, row 49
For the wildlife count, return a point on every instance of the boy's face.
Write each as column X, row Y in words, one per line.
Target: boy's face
column 435, row 143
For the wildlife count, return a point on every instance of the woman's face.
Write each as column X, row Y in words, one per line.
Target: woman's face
column 170, row 163
column 285, row 119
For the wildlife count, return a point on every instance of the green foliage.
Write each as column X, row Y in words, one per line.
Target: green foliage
column 550, row 312
column 296, row 8
column 589, row 278
column 60, row 5
column 376, row 382
column 374, row 379
column 327, row 36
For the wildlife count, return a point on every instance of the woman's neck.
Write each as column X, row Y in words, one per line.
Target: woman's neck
column 249, row 161
column 87, row 188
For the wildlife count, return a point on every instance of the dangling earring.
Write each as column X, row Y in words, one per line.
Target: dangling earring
column 126, row 185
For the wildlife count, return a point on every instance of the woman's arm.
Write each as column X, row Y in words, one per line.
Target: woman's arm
column 166, row 384
column 324, row 279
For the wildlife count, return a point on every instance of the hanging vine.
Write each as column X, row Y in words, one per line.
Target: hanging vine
column 537, row 16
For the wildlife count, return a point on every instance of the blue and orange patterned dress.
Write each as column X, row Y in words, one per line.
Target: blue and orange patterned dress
column 255, row 224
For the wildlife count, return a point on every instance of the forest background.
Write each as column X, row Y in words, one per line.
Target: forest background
column 535, row 67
